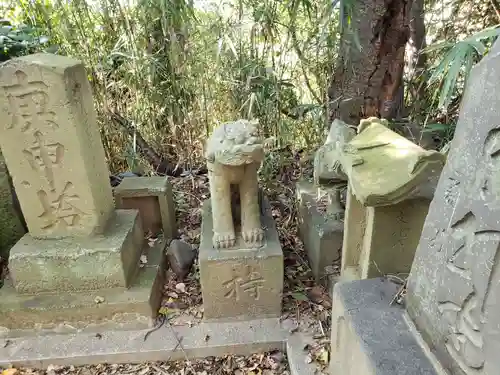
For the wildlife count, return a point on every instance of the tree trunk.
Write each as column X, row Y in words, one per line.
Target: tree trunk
column 367, row 82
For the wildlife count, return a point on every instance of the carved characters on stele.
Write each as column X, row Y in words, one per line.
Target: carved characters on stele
column 470, row 243
column 234, row 154
column 246, row 284
column 29, row 112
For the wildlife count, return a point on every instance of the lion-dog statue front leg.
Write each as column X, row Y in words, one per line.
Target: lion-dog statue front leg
column 223, row 230
column 251, row 229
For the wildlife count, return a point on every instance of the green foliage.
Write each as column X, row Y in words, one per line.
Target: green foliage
column 458, row 61
column 18, row 40
column 445, row 132
column 174, row 70
column 459, row 33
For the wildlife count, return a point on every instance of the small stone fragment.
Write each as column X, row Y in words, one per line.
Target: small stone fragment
column 180, row 256
column 98, row 299
column 180, row 287
column 52, row 369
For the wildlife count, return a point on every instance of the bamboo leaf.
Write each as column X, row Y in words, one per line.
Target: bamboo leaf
column 452, row 75
column 478, row 46
column 437, row 46
column 231, row 46
column 484, row 34
column 300, row 296
column 469, row 61
column 435, row 127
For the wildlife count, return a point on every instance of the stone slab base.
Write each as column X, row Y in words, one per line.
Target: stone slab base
column 110, row 308
column 167, row 343
column 241, row 283
column 321, row 233
column 84, row 263
column 152, row 196
column 372, row 337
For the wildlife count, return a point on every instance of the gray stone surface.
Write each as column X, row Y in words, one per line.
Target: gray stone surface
column 180, row 256
column 454, row 284
column 107, row 308
column 370, row 336
column 321, row 232
column 207, row 339
column 79, row 263
column 241, row 283
column 297, row 356
column 382, row 240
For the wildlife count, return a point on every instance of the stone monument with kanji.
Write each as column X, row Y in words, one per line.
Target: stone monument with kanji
column 79, row 263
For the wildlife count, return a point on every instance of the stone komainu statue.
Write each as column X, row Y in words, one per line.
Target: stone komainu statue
column 234, row 154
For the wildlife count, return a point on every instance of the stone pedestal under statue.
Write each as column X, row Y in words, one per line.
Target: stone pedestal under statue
column 240, row 258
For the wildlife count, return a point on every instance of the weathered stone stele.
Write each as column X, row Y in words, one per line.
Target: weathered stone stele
column 47, row 132
column 373, row 159
column 391, row 183
column 454, row 285
column 320, row 229
column 81, row 265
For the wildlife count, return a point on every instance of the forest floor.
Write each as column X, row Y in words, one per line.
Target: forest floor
column 304, row 302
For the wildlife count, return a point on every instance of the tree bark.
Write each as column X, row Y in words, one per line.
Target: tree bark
column 367, row 82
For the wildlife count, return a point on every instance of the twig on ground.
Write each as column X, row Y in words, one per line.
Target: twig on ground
column 161, row 321
column 399, row 294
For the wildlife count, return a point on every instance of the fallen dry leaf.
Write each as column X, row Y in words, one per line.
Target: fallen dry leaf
column 323, row 356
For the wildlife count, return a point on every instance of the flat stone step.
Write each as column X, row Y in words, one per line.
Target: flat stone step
column 372, row 336
column 167, row 343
